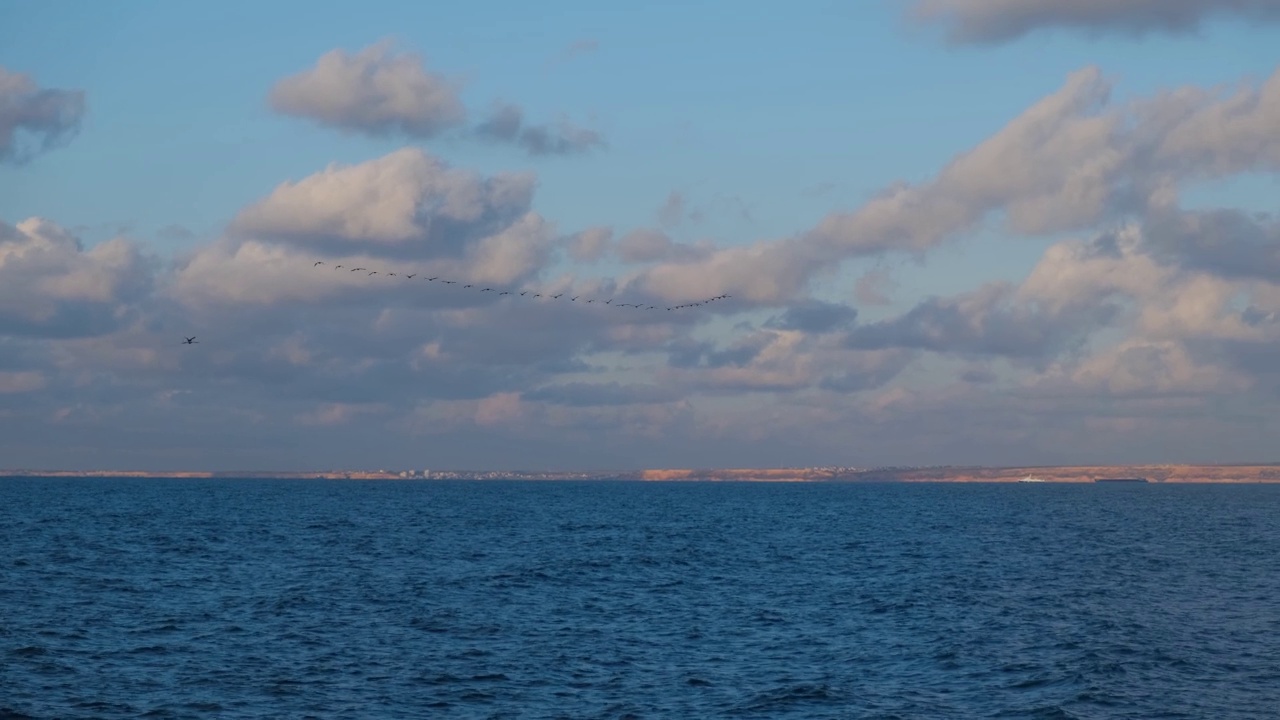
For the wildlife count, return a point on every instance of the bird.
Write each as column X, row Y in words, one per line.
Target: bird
column 504, row 293
column 487, row 290
column 450, row 282
column 410, row 276
column 574, row 299
column 526, row 292
column 335, row 267
column 318, row 262
column 436, row 278
column 192, row 340
column 355, row 269
column 391, row 274
column 556, row 297
column 464, row 287
column 375, row 272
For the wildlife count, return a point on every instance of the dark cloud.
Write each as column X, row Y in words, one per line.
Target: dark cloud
column 506, row 124
column 867, row 375
column 814, row 316
column 1227, row 243
column 611, row 393
column 32, row 120
column 989, row 321
column 1000, row 21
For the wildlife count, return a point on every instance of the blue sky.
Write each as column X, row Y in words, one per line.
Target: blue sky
column 793, row 114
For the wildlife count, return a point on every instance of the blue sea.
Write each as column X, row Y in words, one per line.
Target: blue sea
column 131, row 598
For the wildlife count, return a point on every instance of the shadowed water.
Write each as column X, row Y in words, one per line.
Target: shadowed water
column 253, row 598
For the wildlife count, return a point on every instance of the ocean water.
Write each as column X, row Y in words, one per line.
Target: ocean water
column 426, row 599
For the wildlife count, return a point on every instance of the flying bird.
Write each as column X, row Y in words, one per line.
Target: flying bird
column 192, row 340
column 335, row 267
column 318, row 262
column 504, row 293
column 375, row 272
column 410, row 276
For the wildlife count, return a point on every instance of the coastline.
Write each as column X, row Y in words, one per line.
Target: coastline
column 1157, row 474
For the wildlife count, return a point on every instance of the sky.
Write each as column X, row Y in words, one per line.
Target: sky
column 996, row 232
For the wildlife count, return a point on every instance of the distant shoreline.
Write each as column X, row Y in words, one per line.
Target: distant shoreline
column 1239, row 474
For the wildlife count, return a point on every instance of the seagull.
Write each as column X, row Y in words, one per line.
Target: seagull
column 318, row 262
column 410, row 276
column 192, row 340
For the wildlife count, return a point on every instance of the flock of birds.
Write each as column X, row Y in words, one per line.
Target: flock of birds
column 528, row 294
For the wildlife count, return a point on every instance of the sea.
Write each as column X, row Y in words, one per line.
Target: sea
column 180, row 598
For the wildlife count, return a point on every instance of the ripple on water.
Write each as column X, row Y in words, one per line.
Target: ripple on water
column 235, row 599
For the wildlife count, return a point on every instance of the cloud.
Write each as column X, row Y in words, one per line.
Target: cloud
column 1069, row 163
column 375, row 91
column 50, row 286
column 673, row 210
column 987, row 321
column 34, row 121
column 874, row 287
column 408, row 203
column 1139, row 317
column 584, row 46
column 814, row 316
column 1001, row 21
column 590, row 245
column 506, row 124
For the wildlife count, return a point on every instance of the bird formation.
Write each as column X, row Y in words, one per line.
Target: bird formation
column 527, row 294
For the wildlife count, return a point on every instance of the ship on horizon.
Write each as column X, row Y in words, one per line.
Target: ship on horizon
column 1031, row 479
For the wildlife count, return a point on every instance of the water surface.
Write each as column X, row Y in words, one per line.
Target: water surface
column 251, row 598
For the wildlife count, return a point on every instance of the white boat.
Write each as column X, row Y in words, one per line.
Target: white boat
column 1031, row 479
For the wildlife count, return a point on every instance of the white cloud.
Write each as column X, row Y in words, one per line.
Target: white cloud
column 375, row 91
